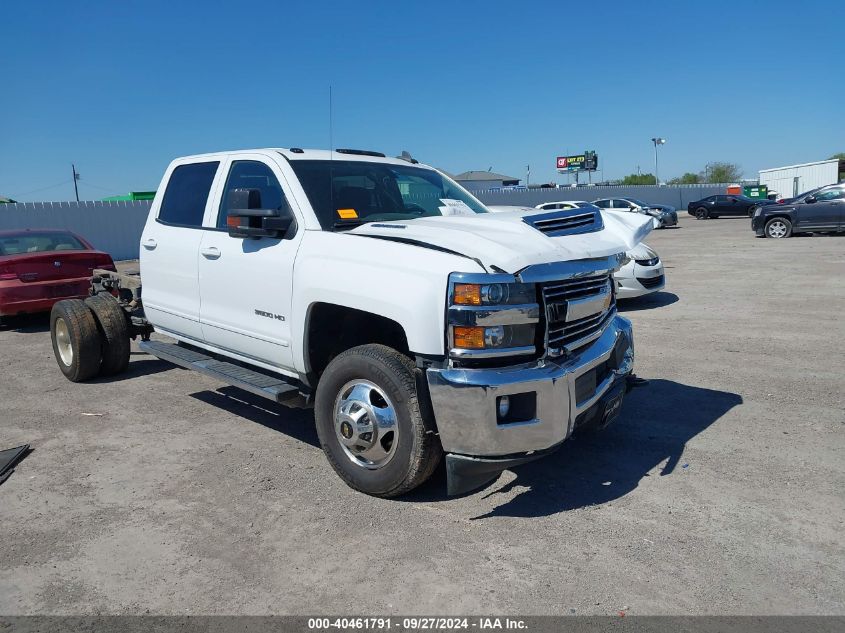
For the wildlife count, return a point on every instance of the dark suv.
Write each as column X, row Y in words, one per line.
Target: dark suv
column 714, row 206
column 821, row 209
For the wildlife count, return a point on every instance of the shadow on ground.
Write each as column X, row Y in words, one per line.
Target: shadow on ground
column 27, row 323
column 647, row 302
column 144, row 366
column 655, row 426
column 296, row 423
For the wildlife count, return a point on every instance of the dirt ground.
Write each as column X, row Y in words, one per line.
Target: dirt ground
column 719, row 490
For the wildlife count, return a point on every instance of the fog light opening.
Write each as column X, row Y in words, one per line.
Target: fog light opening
column 503, row 406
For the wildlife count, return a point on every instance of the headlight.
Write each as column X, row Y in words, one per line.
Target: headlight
column 651, row 258
column 758, row 211
column 493, row 294
column 491, row 315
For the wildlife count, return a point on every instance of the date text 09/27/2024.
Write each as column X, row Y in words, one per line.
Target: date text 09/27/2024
column 416, row 623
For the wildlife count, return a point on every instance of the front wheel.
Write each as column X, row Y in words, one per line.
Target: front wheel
column 778, row 228
column 701, row 213
column 370, row 424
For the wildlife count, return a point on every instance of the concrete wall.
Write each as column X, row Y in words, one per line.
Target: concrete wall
column 677, row 196
column 113, row 227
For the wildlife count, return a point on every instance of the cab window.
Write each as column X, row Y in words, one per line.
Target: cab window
column 186, row 194
column 251, row 174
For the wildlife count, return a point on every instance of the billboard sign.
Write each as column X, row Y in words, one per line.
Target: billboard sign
column 588, row 161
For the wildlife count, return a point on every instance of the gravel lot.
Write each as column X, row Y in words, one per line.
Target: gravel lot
column 719, row 490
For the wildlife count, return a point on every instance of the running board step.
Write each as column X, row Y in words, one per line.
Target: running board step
column 260, row 384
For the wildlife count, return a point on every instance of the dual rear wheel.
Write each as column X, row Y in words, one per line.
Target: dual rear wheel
column 90, row 337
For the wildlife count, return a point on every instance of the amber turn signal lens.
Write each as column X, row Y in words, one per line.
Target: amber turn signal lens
column 233, row 221
column 467, row 295
column 469, row 337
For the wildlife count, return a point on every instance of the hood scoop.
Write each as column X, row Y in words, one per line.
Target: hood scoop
column 569, row 222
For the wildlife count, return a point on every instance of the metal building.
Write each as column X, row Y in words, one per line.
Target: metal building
column 793, row 180
column 484, row 180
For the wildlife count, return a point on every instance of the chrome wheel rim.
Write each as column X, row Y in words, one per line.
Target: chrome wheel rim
column 365, row 424
column 777, row 229
column 63, row 343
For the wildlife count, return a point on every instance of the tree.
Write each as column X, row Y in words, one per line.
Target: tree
column 688, row 178
column 839, row 156
column 639, row 179
column 722, row 172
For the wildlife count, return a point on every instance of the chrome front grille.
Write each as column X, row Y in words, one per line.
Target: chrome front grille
column 569, row 222
column 577, row 311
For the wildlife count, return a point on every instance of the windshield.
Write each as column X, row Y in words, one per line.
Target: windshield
column 346, row 194
column 639, row 203
column 587, row 205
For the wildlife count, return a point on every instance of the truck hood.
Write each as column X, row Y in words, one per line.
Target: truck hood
column 506, row 242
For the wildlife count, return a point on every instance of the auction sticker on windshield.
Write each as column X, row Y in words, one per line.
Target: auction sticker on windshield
column 455, row 207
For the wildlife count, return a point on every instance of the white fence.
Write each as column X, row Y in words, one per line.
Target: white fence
column 113, row 227
column 678, row 196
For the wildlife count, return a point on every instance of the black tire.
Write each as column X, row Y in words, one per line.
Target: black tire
column 114, row 333
column 78, row 339
column 701, row 213
column 777, row 228
column 417, row 452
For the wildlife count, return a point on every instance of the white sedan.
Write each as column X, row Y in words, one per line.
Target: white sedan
column 564, row 204
column 641, row 275
column 643, row 272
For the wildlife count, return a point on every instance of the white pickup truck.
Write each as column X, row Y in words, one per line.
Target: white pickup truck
column 384, row 295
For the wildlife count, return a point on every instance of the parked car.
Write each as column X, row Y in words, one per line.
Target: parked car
column 641, row 275
column 383, row 294
column 662, row 218
column 818, row 210
column 565, row 204
column 39, row 267
column 727, row 205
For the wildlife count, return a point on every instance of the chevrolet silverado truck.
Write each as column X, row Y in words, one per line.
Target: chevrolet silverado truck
column 380, row 293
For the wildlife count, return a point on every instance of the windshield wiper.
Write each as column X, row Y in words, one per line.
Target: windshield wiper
column 349, row 224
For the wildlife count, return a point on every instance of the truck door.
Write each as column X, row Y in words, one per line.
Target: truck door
column 246, row 283
column 170, row 244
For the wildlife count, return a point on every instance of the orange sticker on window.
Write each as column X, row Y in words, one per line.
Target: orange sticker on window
column 347, row 214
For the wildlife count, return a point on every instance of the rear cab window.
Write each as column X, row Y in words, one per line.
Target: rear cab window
column 186, row 195
column 24, row 243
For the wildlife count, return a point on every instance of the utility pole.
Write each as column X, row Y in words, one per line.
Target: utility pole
column 75, row 178
column 657, row 141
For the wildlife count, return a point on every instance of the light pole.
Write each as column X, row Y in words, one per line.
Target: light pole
column 657, row 141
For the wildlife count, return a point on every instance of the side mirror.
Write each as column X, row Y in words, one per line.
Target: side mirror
column 247, row 218
column 810, row 199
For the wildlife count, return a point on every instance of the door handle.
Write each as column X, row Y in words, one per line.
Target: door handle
column 150, row 243
column 210, row 252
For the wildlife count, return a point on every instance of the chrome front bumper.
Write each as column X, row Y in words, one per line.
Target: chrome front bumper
column 465, row 400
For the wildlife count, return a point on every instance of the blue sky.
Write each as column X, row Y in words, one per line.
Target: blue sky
column 121, row 88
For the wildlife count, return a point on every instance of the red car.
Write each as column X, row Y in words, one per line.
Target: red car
column 39, row 267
